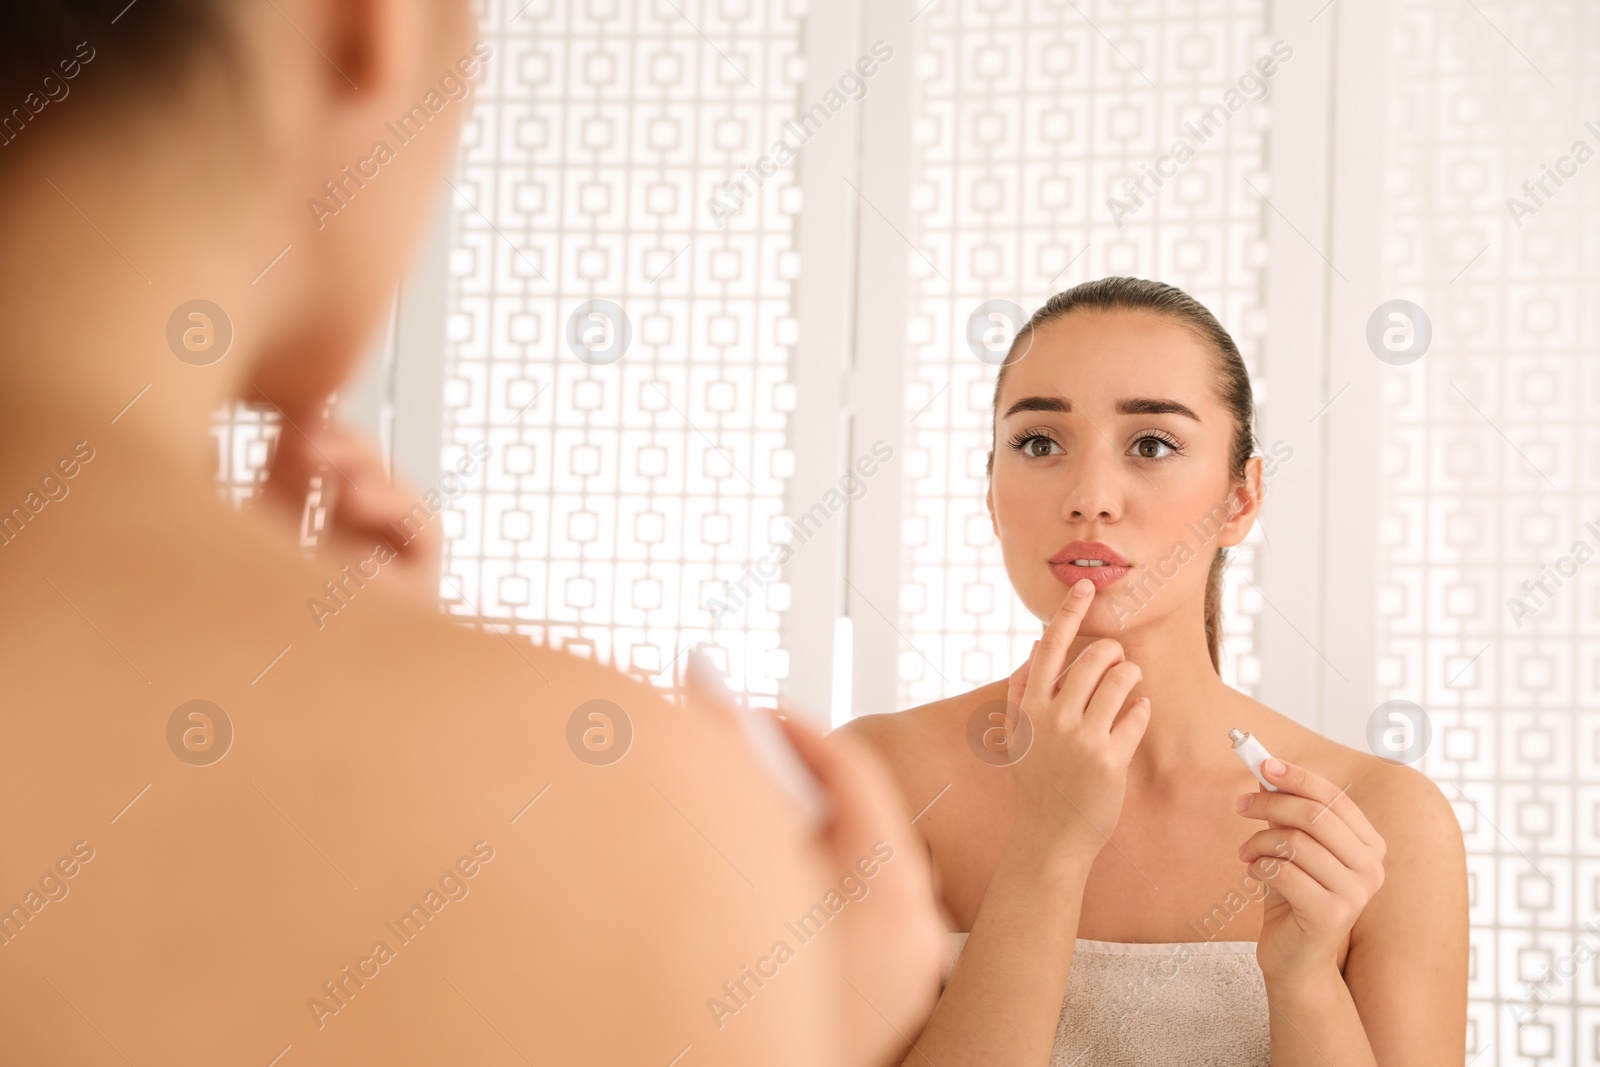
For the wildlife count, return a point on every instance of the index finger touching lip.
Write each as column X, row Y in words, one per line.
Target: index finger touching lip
column 1063, row 627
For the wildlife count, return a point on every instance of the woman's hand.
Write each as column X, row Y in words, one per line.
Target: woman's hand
column 364, row 508
column 894, row 936
column 1069, row 745
column 891, row 935
column 1321, row 861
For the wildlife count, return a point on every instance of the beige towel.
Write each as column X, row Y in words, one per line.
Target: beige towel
column 1184, row 1004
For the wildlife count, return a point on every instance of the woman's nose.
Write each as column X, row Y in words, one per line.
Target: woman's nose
column 1090, row 490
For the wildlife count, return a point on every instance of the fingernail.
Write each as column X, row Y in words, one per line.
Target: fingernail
column 1082, row 587
column 1243, row 802
column 1274, row 767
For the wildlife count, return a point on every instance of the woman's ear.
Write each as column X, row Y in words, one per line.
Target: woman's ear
column 367, row 43
column 1244, row 504
column 988, row 500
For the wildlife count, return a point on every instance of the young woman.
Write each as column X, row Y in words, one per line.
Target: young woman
column 1110, row 902
column 238, row 829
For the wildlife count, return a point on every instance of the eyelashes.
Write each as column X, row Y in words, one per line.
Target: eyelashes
column 1156, row 435
column 1020, row 442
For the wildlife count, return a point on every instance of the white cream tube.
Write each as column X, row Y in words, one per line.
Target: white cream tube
column 1252, row 753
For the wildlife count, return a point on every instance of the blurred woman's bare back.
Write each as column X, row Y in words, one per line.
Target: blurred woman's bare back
column 214, row 902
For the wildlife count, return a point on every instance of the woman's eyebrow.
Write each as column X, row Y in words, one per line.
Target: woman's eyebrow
column 1138, row 405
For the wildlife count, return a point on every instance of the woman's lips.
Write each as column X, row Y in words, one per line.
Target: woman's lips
column 1100, row 576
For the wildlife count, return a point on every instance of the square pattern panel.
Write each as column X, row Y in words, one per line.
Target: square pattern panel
column 242, row 440
column 619, row 324
column 1488, row 618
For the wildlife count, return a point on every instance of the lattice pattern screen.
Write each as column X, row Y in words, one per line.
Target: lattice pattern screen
column 622, row 493
column 1031, row 116
column 1491, row 444
column 243, row 439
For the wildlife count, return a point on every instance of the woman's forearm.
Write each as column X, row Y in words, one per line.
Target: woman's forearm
column 1315, row 1022
column 1002, row 1002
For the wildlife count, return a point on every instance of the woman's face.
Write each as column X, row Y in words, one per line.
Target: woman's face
column 1109, row 431
column 364, row 182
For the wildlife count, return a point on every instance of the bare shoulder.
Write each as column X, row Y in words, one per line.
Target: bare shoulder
column 888, row 733
column 922, row 743
column 1405, row 806
column 923, row 734
column 1423, row 845
column 390, row 771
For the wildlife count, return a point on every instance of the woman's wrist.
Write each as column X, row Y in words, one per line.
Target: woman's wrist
column 1304, row 987
column 1036, row 848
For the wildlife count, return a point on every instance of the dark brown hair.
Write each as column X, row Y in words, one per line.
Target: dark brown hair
column 45, row 45
column 1229, row 375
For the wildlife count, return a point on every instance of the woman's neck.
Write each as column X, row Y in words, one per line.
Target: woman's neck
column 105, row 242
column 1191, row 708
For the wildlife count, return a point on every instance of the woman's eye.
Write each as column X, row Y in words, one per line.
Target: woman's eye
column 1145, row 444
column 1038, row 447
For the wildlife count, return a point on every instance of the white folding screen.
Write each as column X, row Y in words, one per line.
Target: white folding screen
column 1489, row 608
column 243, row 439
column 619, row 321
